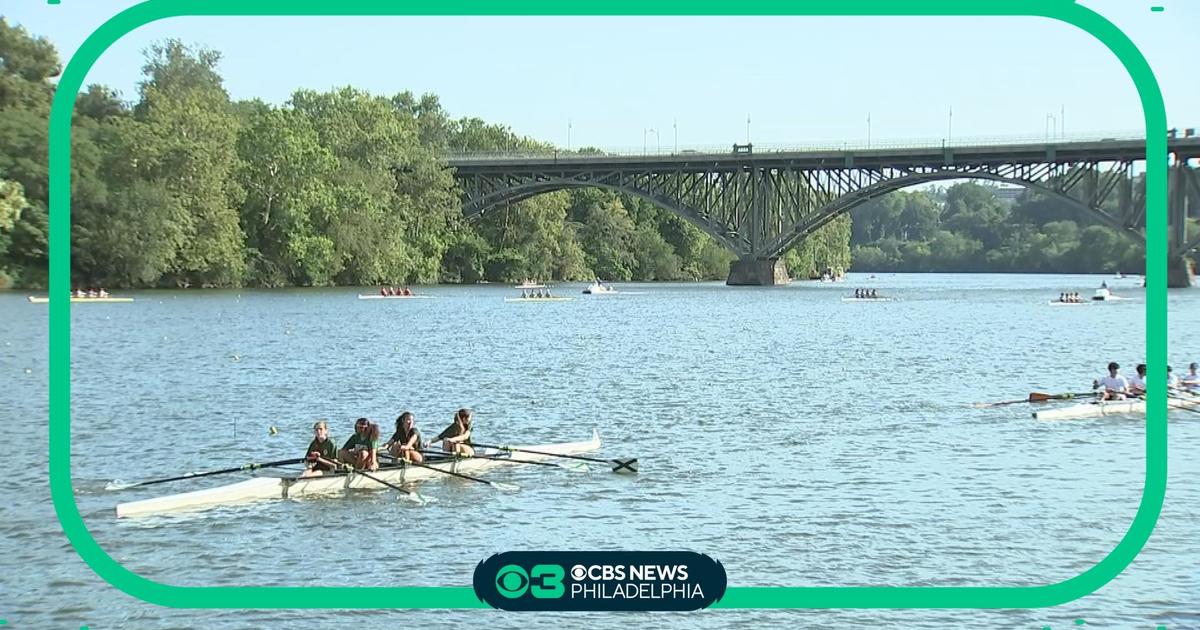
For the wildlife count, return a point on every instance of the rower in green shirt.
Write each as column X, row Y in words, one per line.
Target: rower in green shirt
column 456, row 438
column 322, row 452
column 405, row 443
column 359, row 449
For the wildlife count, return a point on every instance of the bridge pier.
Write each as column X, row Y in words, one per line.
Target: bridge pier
column 1180, row 272
column 757, row 272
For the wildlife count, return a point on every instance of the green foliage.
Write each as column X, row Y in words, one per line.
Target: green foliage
column 12, row 201
column 183, row 187
column 971, row 231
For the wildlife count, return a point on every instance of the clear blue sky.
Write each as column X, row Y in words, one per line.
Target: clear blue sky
column 798, row 79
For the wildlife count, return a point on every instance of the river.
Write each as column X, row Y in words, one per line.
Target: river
column 798, row 439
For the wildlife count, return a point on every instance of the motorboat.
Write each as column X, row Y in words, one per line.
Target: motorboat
column 599, row 288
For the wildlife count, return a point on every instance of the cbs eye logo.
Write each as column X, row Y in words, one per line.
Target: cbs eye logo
column 543, row 581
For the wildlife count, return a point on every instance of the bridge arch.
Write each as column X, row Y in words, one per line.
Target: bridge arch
column 851, row 200
column 722, row 234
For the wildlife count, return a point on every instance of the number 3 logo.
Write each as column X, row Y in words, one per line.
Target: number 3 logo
column 551, row 577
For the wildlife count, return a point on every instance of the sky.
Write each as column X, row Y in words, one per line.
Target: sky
column 627, row 83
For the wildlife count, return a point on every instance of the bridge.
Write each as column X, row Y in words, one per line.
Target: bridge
column 759, row 204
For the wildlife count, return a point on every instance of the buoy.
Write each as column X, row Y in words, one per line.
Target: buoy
column 28, row 371
column 237, row 358
column 273, row 431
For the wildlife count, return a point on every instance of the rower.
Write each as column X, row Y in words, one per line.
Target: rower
column 1115, row 386
column 1137, row 384
column 405, row 443
column 1191, row 380
column 1172, row 380
column 359, row 449
column 456, row 438
column 322, row 452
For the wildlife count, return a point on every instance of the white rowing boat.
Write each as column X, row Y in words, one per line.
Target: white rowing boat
column 555, row 299
column 262, row 488
column 1103, row 408
column 862, row 299
column 1061, row 303
column 46, row 300
column 376, row 296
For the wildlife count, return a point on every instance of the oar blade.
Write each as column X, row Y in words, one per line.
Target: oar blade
column 417, row 497
column 117, row 484
column 625, row 466
column 504, row 487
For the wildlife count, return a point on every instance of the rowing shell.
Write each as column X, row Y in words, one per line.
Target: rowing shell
column 261, row 488
column 1059, row 303
column 376, row 296
column 45, row 300
column 549, row 299
column 878, row 299
column 1110, row 408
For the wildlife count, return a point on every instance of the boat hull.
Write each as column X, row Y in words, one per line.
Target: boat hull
column 362, row 296
column 107, row 300
column 1100, row 409
column 549, row 299
column 264, row 488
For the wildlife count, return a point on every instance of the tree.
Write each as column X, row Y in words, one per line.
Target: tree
column 189, row 145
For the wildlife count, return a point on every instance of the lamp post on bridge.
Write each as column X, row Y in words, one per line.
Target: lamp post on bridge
column 568, row 135
column 950, row 126
column 868, row 130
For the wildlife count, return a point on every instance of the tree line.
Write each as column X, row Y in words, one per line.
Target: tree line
column 184, row 186
column 967, row 228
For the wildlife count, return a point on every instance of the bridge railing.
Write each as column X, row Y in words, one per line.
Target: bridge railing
column 858, row 145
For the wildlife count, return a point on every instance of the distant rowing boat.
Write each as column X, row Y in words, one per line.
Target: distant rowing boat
column 263, row 488
column 541, row 299
column 1100, row 409
column 45, row 300
column 1061, row 303
column 862, row 299
column 376, row 296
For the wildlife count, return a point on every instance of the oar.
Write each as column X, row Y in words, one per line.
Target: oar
column 575, row 467
column 622, row 465
column 507, row 487
column 1037, row 397
column 408, row 494
column 1189, row 399
column 283, row 462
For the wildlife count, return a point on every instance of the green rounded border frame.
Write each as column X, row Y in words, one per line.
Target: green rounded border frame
column 736, row 597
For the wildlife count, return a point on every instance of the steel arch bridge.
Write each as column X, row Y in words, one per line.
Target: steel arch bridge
column 759, row 205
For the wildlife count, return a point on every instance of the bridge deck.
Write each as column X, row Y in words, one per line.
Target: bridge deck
column 1027, row 153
